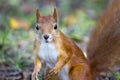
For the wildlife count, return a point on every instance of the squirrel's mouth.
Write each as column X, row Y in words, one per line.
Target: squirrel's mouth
column 46, row 41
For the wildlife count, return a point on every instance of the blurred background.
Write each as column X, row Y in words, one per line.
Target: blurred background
column 17, row 23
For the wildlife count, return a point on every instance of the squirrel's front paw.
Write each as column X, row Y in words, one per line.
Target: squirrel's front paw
column 34, row 76
column 55, row 70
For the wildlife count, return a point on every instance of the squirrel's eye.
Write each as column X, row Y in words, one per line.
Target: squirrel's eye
column 37, row 27
column 55, row 26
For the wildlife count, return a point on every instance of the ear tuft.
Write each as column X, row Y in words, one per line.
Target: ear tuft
column 55, row 14
column 37, row 14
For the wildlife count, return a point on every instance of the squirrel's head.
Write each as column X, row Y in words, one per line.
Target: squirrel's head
column 46, row 26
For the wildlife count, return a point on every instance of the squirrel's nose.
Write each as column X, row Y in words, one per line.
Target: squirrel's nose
column 46, row 37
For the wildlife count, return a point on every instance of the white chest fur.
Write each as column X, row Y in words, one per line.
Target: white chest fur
column 49, row 55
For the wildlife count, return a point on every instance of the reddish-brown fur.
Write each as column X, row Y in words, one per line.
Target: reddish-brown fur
column 78, row 66
column 104, row 46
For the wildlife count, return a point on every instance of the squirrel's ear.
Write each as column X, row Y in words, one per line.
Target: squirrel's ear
column 37, row 14
column 55, row 14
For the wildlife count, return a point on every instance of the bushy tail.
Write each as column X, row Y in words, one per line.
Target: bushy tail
column 104, row 46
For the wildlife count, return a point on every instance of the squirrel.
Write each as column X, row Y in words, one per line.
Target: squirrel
column 60, row 54
column 65, row 60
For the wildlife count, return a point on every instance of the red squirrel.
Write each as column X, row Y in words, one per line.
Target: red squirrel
column 65, row 60
column 60, row 54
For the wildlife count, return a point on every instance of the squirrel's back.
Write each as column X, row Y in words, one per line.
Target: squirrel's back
column 104, row 46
